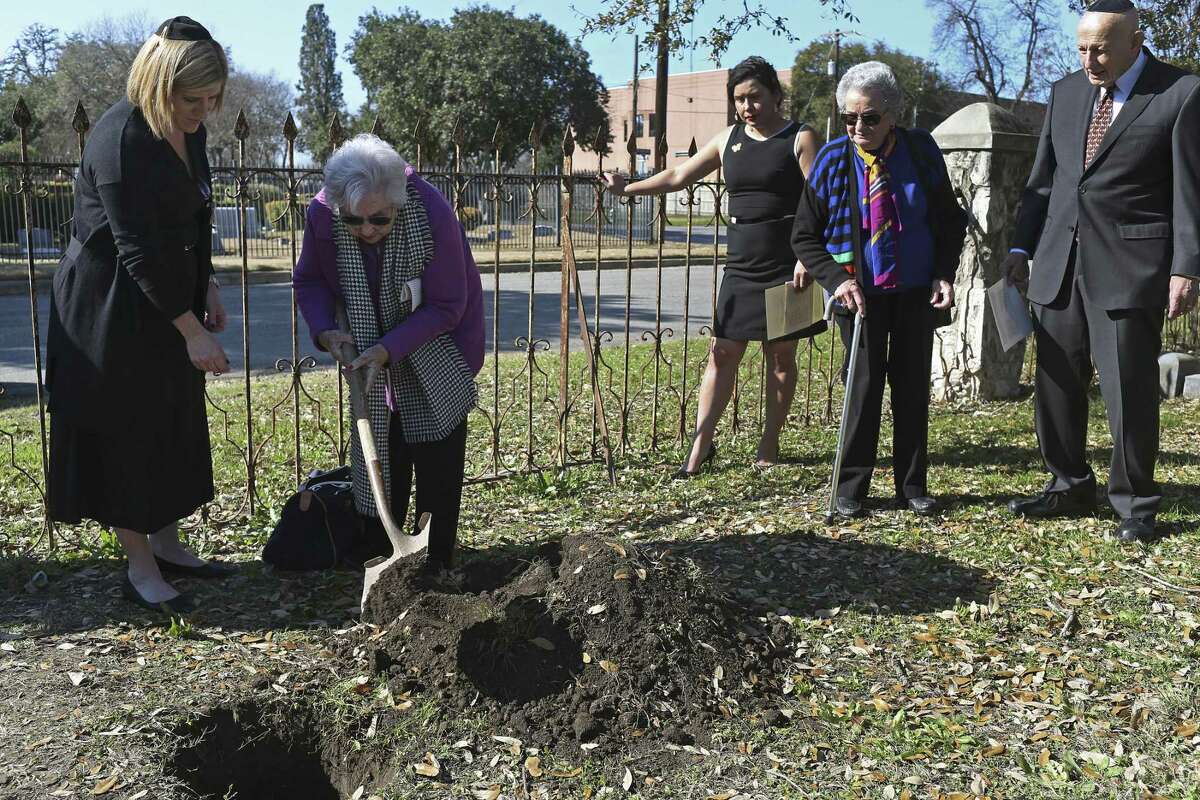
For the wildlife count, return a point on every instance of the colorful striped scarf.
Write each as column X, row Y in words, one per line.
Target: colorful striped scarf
column 880, row 217
column 832, row 172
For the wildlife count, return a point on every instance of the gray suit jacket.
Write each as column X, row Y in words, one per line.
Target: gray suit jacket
column 1136, row 208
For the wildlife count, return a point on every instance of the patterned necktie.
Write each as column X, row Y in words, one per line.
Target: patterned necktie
column 1099, row 126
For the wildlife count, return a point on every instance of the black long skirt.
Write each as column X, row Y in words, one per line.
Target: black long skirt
column 143, row 478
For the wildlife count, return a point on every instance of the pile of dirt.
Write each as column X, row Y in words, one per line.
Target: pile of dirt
column 586, row 641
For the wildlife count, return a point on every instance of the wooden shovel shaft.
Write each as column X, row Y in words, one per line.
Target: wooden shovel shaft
column 366, row 439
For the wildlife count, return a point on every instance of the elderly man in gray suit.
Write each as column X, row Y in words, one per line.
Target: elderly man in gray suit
column 1111, row 218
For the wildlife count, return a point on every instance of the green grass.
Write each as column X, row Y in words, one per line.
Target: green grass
column 969, row 655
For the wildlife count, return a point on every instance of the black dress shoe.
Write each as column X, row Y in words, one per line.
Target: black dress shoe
column 179, row 604
column 1054, row 504
column 209, row 569
column 848, row 507
column 1136, row 529
column 683, row 474
column 923, row 506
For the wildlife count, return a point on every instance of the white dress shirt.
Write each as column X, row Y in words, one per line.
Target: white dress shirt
column 1124, row 84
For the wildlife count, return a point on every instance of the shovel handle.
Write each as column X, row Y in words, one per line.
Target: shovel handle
column 366, row 439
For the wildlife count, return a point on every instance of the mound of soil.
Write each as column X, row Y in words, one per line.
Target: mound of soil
column 586, row 641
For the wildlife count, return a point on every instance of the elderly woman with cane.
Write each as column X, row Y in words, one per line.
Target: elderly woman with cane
column 879, row 227
column 132, row 315
column 381, row 242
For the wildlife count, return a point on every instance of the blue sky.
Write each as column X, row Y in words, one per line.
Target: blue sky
column 265, row 36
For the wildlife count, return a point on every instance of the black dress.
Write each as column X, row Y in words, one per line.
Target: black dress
column 764, row 184
column 129, row 442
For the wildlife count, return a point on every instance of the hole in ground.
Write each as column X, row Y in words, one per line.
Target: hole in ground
column 236, row 753
column 520, row 655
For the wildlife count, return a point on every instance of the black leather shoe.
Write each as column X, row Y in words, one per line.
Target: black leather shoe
column 209, row 569
column 848, row 507
column 179, row 604
column 923, row 506
column 1136, row 529
column 682, row 474
column 1054, row 504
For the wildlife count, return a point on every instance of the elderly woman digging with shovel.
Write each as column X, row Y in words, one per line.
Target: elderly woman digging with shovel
column 382, row 244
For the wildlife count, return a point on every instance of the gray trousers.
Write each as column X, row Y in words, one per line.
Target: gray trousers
column 1071, row 333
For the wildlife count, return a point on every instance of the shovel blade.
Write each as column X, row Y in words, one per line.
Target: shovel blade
column 407, row 546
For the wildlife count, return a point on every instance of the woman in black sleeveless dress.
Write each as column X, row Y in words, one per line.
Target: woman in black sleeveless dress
column 765, row 158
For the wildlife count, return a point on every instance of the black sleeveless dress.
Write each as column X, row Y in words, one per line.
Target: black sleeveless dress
column 764, row 184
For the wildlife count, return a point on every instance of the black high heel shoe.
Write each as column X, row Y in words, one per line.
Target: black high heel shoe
column 683, row 474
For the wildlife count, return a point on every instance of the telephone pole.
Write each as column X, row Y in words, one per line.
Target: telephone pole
column 835, row 72
column 660, row 86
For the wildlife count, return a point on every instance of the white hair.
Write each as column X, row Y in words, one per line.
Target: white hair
column 363, row 166
column 876, row 76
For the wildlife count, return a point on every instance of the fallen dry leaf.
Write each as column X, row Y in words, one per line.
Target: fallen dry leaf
column 533, row 765
column 107, row 785
column 597, row 609
column 429, row 767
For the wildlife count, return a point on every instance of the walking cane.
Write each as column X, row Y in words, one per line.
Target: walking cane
column 837, row 456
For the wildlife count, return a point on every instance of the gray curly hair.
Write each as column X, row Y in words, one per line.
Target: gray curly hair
column 363, row 166
column 876, row 76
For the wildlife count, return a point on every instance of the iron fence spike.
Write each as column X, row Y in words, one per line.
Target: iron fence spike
column 79, row 120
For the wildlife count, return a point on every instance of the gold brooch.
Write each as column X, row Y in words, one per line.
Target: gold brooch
column 736, row 147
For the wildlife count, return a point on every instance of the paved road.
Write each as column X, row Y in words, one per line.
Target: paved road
column 270, row 326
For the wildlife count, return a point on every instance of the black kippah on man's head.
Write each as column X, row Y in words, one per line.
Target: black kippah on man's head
column 188, row 30
column 1111, row 6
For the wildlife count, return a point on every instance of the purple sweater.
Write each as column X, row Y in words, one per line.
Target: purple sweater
column 451, row 293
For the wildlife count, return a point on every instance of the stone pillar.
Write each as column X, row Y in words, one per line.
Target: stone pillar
column 989, row 156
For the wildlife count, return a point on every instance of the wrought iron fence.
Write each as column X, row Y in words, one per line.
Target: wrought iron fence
column 622, row 383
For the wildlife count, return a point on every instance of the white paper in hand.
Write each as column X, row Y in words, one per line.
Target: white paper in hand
column 1011, row 311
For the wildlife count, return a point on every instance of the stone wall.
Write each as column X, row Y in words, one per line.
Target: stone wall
column 989, row 159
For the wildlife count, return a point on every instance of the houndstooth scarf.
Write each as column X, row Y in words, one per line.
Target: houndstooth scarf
column 432, row 389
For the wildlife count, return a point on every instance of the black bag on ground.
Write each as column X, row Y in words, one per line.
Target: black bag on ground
column 318, row 525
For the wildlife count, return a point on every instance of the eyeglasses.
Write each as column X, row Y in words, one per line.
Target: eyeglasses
column 378, row 220
column 868, row 120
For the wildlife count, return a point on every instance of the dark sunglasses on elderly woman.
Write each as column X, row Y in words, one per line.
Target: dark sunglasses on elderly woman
column 868, row 120
column 378, row 220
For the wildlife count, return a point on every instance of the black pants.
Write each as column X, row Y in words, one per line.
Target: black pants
column 1072, row 332
column 439, row 468
column 896, row 345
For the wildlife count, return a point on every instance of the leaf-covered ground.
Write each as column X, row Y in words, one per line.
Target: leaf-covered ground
column 970, row 655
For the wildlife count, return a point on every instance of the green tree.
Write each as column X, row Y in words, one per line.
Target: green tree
column 320, row 85
column 810, row 93
column 481, row 68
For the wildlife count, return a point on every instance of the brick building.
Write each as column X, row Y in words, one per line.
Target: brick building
column 697, row 107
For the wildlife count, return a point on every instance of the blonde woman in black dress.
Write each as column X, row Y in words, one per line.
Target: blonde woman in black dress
column 132, row 316
column 766, row 158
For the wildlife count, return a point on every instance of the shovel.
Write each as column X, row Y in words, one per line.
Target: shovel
column 837, row 456
column 402, row 544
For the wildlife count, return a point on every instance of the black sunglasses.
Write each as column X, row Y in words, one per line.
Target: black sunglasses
column 868, row 120
column 378, row 220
